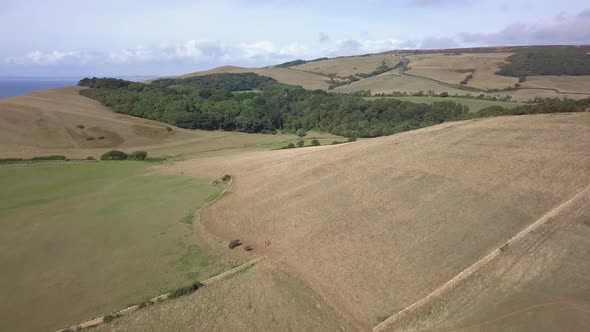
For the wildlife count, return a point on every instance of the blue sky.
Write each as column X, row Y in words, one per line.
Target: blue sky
column 133, row 37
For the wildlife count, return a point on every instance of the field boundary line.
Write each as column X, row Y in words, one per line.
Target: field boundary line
column 100, row 320
column 479, row 264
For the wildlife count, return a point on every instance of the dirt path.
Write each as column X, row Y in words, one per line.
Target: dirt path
column 386, row 324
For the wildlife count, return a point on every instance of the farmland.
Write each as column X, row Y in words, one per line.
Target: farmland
column 360, row 235
column 80, row 239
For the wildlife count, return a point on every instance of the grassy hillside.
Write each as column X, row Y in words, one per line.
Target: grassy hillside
column 455, row 71
column 376, row 225
column 261, row 298
column 48, row 122
column 80, row 239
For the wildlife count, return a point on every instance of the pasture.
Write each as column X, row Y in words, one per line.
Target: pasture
column 376, row 225
column 79, row 239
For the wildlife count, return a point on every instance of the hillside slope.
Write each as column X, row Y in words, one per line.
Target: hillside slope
column 48, row 122
column 376, row 225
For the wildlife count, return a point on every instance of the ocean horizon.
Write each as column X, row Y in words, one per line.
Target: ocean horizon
column 17, row 86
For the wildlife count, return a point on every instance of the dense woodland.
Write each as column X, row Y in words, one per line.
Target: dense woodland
column 567, row 60
column 199, row 103
column 227, row 102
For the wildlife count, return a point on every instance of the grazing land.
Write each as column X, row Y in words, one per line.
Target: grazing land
column 426, row 205
column 492, row 71
column 79, row 239
column 261, row 298
column 47, row 122
column 474, row 104
column 454, row 68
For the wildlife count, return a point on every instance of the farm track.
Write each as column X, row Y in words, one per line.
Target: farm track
column 437, row 293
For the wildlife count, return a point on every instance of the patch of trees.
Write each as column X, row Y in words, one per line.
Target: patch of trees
column 383, row 68
column 547, row 61
column 228, row 82
column 104, row 83
column 277, row 107
column 542, row 106
column 297, row 63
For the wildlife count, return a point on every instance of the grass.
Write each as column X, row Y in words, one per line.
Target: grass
column 81, row 239
column 474, row 105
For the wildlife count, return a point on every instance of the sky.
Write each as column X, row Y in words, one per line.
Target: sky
column 150, row 37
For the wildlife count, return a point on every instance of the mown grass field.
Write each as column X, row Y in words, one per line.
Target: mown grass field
column 79, row 239
column 474, row 105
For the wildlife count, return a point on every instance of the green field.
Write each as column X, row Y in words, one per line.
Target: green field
column 79, row 239
column 474, row 105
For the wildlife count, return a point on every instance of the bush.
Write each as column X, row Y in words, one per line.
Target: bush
column 289, row 146
column 109, row 318
column 10, row 160
column 234, row 243
column 168, row 129
column 80, row 126
column 352, row 139
column 90, row 158
column 138, row 155
column 315, row 142
column 226, row 178
column 248, row 248
column 182, row 291
column 301, row 132
column 54, row 157
column 300, row 143
column 90, row 138
column 114, row 155
column 100, row 137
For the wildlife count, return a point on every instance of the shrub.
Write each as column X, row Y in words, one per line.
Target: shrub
column 80, row 126
column 89, row 138
column 138, row 155
column 10, row 160
column 248, row 248
column 352, row 139
column 289, row 146
column 226, row 178
column 300, row 143
column 234, row 243
column 54, row 157
column 315, row 142
column 90, row 158
column 301, row 132
column 100, row 137
column 114, row 155
column 109, row 318
column 168, row 129
column 182, row 291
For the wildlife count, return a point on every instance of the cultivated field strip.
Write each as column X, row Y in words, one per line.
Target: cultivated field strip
column 386, row 324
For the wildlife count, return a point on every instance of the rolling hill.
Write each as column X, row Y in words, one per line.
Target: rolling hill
column 471, row 71
column 377, row 225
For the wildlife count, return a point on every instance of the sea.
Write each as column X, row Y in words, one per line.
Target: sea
column 16, row 86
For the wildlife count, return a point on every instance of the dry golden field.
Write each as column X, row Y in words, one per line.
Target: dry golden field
column 347, row 66
column 564, row 84
column 261, row 298
column 454, row 68
column 392, row 82
column 284, row 75
column 376, row 225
